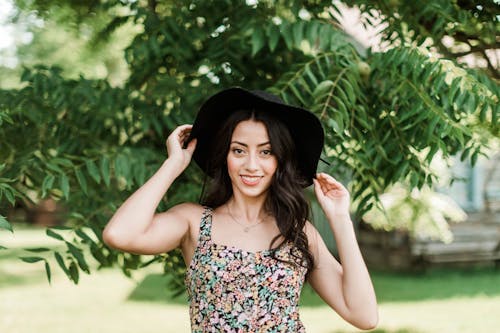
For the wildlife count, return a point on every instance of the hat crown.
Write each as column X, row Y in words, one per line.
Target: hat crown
column 268, row 96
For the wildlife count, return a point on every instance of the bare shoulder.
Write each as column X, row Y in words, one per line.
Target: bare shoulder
column 311, row 232
column 314, row 239
column 187, row 212
column 187, row 209
column 189, row 215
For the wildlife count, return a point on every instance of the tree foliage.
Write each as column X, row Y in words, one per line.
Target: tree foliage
column 88, row 144
column 457, row 29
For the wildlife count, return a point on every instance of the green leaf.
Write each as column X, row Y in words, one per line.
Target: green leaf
column 47, row 184
column 431, row 153
column 334, row 125
column 311, row 76
column 286, row 32
column 431, row 128
column 258, row 41
column 61, row 263
column 465, row 154
column 122, row 167
column 340, row 106
column 77, row 253
column 273, row 32
column 364, row 201
column 61, row 227
column 298, row 32
column 455, row 87
column 38, row 249
column 474, row 157
column 65, row 185
column 312, row 29
column 54, row 167
column 342, row 95
column 140, row 174
column 349, row 90
column 402, row 170
column 73, row 272
column 8, row 192
column 483, row 112
column 84, row 236
column 62, row 161
column 471, row 103
column 4, row 224
column 93, row 170
column 105, row 170
column 47, row 271
column 54, row 234
column 322, row 88
column 82, row 181
column 324, row 37
column 31, row 259
column 297, row 94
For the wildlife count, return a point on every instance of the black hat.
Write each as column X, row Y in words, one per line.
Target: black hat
column 305, row 128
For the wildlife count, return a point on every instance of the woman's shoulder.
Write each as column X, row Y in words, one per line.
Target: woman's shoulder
column 188, row 210
column 312, row 234
column 310, row 229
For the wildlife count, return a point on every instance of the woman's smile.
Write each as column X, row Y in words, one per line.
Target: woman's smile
column 250, row 180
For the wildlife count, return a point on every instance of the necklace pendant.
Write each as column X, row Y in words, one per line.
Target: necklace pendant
column 246, row 229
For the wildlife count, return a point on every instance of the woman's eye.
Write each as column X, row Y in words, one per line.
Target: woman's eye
column 267, row 152
column 237, row 151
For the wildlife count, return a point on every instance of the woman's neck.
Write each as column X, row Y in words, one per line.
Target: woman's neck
column 248, row 211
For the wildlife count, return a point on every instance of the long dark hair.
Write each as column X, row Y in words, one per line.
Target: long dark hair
column 285, row 201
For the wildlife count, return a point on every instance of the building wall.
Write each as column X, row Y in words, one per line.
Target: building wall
column 477, row 188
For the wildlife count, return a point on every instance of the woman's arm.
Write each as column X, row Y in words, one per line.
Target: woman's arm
column 135, row 227
column 347, row 288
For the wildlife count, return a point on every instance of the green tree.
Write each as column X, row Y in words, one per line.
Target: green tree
column 88, row 143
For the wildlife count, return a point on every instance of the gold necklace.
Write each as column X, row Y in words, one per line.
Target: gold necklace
column 246, row 228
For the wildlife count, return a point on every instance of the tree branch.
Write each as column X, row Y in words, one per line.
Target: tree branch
column 492, row 68
column 152, row 5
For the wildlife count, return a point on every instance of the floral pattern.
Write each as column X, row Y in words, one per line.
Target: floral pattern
column 232, row 290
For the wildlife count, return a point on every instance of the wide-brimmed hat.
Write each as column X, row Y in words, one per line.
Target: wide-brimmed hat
column 305, row 128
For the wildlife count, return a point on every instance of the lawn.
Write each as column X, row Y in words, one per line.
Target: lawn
column 438, row 301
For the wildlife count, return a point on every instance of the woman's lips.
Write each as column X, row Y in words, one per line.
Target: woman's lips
column 250, row 180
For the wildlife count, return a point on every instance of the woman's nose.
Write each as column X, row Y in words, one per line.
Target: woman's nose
column 251, row 162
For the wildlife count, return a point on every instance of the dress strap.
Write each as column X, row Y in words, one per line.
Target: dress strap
column 206, row 224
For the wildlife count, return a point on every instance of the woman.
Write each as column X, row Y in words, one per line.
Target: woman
column 249, row 247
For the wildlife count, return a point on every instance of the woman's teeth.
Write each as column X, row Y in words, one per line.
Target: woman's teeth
column 251, row 180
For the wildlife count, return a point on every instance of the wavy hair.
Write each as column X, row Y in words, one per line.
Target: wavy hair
column 285, row 200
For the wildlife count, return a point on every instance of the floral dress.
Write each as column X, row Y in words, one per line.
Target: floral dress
column 231, row 290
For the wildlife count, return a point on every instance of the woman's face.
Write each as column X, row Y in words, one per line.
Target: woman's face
column 250, row 161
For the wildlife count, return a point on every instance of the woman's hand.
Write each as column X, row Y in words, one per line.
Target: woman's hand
column 332, row 196
column 175, row 142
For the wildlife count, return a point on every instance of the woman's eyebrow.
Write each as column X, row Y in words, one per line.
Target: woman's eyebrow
column 245, row 145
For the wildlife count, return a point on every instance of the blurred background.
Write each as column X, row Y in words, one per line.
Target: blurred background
column 408, row 96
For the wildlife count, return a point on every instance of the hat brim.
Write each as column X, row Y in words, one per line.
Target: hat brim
column 305, row 128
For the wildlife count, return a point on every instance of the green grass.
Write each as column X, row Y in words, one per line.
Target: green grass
column 154, row 288
column 444, row 301
column 437, row 284
column 390, row 287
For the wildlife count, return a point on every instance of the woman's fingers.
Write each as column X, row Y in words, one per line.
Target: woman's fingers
column 177, row 139
column 327, row 181
column 317, row 187
column 183, row 131
column 329, row 184
column 191, row 146
column 180, row 134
